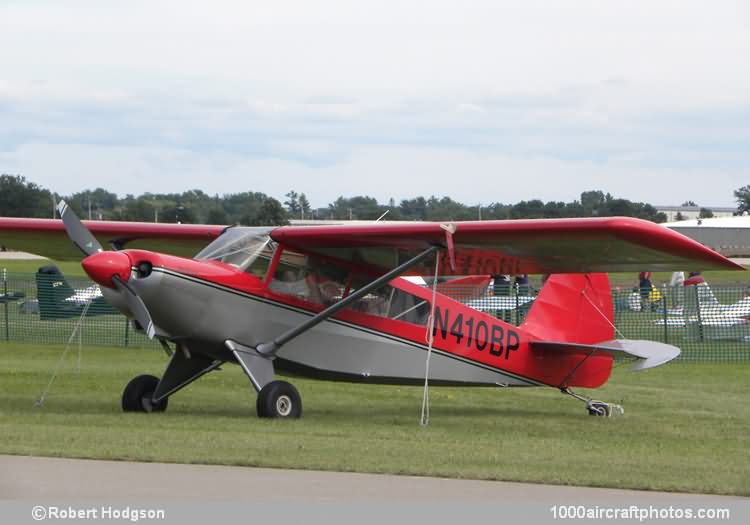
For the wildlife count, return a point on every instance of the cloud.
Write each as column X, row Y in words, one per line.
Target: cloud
column 391, row 99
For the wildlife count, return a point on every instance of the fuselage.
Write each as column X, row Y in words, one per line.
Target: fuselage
column 383, row 338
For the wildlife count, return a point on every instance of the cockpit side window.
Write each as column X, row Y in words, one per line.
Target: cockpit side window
column 309, row 278
column 392, row 303
column 320, row 281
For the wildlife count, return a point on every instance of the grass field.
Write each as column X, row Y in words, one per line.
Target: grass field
column 69, row 268
column 685, row 427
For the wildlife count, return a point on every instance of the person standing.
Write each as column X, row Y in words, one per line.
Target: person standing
column 694, row 278
column 644, row 285
column 675, row 283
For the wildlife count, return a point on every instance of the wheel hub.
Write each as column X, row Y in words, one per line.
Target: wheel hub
column 148, row 406
column 284, row 405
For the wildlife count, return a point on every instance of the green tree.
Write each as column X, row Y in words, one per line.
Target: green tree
column 705, row 213
column 742, row 195
column 217, row 215
column 533, row 209
column 19, row 198
column 268, row 212
column 413, row 209
column 135, row 209
column 178, row 213
column 359, row 207
column 446, row 209
column 592, row 201
column 292, row 203
column 304, row 206
column 496, row 211
column 100, row 202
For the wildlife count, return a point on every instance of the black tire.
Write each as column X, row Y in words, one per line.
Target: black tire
column 279, row 399
column 137, row 395
column 598, row 409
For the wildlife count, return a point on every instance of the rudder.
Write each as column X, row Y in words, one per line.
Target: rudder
column 573, row 308
column 576, row 309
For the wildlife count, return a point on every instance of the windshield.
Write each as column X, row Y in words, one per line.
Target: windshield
column 249, row 249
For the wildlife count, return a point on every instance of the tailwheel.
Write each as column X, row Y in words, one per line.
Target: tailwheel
column 279, row 399
column 594, row 407
column 598, row 408
column 138, row 395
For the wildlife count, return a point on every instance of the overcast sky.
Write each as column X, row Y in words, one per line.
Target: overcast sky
column 482, row 101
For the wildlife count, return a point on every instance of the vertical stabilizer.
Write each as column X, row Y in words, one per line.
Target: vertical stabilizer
column 52, row 290
column 572, row 308
column 575, row 309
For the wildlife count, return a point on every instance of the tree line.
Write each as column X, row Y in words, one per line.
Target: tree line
column 22, row 198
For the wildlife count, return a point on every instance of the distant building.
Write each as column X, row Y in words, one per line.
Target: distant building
column 730, row 236
column 692, row 212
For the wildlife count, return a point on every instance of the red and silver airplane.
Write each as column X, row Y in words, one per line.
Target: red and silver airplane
column 329, row 301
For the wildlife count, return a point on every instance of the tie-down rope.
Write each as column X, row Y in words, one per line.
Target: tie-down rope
column 76, row 330
column 430, row 337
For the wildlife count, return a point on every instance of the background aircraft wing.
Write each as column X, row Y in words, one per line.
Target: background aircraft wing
column 538, row 246
column 47, row 237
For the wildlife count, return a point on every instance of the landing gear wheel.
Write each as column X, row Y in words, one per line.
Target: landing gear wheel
column 279, row 399
column 599, row 408
column 137, row 395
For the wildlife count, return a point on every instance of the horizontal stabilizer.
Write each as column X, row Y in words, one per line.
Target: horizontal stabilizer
column 650, row 353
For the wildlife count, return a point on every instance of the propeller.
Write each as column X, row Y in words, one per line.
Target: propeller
column 136, row 306
column 106, row 268
column 77, row 232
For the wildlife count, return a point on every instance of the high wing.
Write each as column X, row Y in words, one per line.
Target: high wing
column 47, row 237
column 479, row 247
column 512, row 246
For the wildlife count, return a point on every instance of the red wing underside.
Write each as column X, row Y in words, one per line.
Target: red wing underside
column 513, row 247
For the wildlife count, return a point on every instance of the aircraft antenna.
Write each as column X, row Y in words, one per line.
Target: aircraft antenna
column 592, row 303
column 384, row 214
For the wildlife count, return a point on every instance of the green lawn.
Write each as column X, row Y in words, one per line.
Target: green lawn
column 69, row 268
column 685, row 427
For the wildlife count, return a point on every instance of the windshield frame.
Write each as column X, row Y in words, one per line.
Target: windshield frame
column 239, row 246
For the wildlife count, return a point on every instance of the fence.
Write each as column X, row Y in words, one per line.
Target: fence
column 709, row 324
column 46, row 307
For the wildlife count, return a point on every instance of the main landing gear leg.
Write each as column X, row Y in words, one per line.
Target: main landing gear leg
column 275, row 398
column 594, row 407
column 147, row 393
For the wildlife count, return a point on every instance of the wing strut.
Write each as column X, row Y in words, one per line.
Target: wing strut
column 270, row 348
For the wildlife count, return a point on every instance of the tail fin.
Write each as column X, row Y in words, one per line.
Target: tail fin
column 572, row 332
column 574, row 308
column 700, row 297
column 52, row 290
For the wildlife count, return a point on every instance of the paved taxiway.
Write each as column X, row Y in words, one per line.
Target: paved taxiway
column 23, row 477
column 296, row 496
